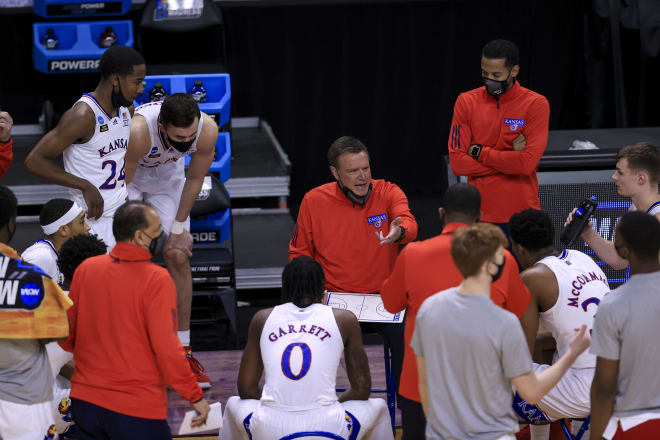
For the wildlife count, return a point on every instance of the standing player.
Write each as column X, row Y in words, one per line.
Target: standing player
column 60, row 220
column 299, row 344
column 565, row 290
column 636, row 176
column 161, row 135
column 93, row 137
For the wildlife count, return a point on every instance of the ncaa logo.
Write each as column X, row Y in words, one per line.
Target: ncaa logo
column 154, row 150
column 377, row 220
column 31, row 295
column 100, row 119
column 514, row 124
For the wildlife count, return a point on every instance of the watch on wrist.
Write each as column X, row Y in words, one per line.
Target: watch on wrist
column 475, row 151
column 403, row 233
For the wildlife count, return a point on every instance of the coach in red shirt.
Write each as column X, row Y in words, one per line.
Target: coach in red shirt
column 353, row 228
column 123, row 336
column 498, row 134
column 426, row 267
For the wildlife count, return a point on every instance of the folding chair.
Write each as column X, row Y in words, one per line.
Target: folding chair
column 583, row 429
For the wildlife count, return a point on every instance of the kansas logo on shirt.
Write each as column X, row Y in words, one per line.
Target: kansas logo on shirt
column 377, row 220
column 514, row 124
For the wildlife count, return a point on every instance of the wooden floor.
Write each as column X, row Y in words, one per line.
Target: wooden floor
column 222, row 369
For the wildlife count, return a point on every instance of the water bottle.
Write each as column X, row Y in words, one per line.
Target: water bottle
column 157, row 93
column 579, row 221
column 50, row 39
column 108, row 38
column 198, row 91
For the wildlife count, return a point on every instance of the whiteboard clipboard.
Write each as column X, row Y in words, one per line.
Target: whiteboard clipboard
column 367, row 307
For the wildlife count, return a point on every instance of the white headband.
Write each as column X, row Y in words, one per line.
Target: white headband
column 67, row 218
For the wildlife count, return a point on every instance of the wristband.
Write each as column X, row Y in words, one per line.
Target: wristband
column 177, row 227
column 403, row 233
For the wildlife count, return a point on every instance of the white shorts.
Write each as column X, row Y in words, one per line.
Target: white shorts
column 102, row 227
column 61, row 405
column 570, row 397
column 263, row 422
column 161, row 187
column 27, row 422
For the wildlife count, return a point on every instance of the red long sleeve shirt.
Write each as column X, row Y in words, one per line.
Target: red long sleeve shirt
column 123, row 335
column 341, row 235
column 6, row 156
column 425, row 268
column 505, row 178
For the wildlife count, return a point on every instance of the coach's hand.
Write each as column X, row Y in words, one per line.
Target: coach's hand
column 520, row 142
column 203, row 409
column 393, row 235
column 183, row 242
column 587, row 229
column 6, row 122
column 94, row 201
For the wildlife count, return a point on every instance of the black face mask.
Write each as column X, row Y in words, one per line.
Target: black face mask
column 360, row 200
column 157, row 243
column 496, row 88
column 500, row 268
column 118, row 99
column 180, row 146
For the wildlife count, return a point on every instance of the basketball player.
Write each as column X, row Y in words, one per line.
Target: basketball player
column 636, row 176
column 93, row 137
column 60, row 220
column 162, row 134
column 565, row 290
column 298, row 345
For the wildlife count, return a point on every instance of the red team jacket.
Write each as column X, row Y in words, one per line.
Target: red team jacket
column 340, row 235
column 6, row 156
column 123, row 335
column 425, row 268
column 505, row 178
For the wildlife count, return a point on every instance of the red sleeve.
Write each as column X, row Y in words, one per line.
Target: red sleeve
column 302, row 241
column 517, row 294
column 393, row 291
column 74, row 293
column 6, row 156
column 459, row 142
column 523, row 162
column 161, row 321
column 398, row 207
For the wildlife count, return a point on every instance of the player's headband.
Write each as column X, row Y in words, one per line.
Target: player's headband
column 67, row 218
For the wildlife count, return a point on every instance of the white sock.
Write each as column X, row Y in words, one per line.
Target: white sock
column 575, row 427
column 184, row 337
column 539, row 432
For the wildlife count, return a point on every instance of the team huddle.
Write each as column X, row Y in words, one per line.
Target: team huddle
column 501, row 328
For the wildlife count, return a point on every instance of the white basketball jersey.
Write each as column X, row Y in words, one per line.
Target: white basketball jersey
column 301, row 349
column 582, row 285
column 43, row 255
column 160, row 152
column 101, row 159
column 653, row 210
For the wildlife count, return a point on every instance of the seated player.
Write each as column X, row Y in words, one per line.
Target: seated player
column 565, row 290
column 299, row 345
column 60, row 220
column 76, row 250
column 470, row 352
